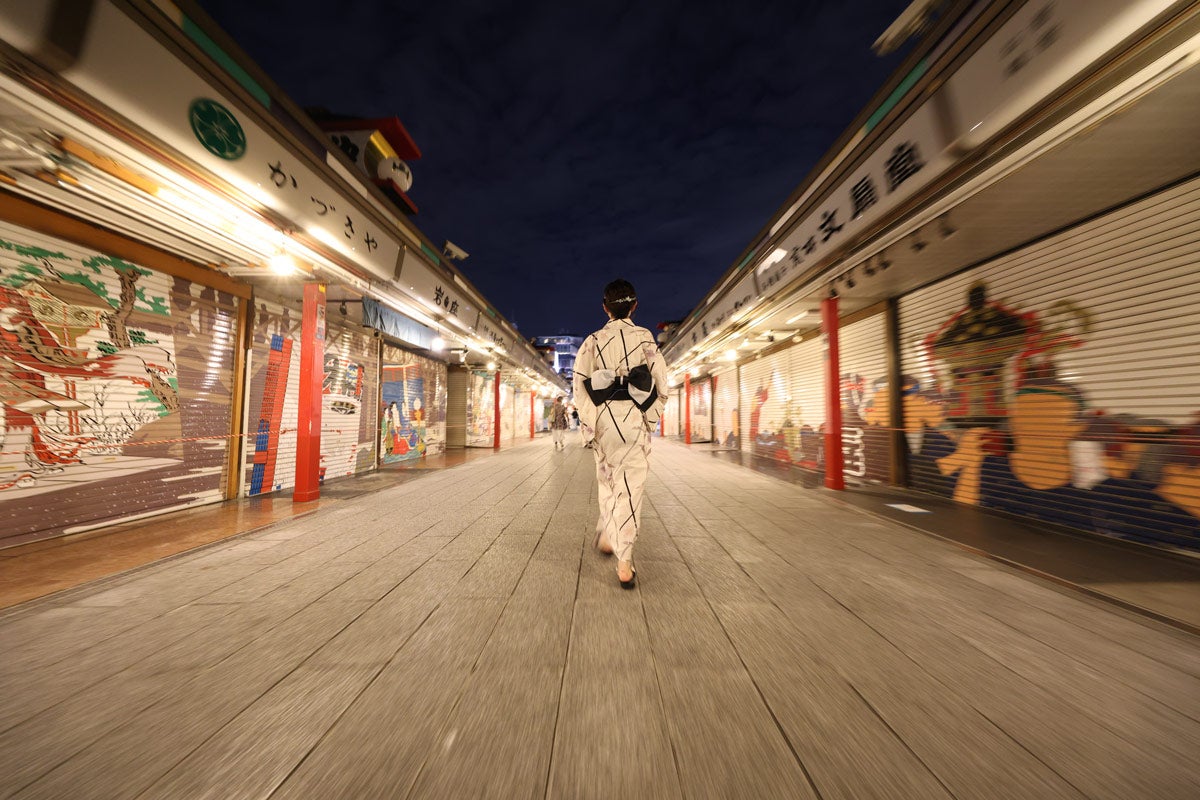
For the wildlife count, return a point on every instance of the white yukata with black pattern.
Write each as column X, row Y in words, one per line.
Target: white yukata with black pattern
column 618, row 429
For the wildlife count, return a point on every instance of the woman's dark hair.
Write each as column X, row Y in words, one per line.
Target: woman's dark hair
column 619, row 298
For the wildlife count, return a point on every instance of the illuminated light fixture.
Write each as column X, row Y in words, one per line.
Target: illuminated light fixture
column 491, row 366
column 746, row 342
column 801, row 315
column 438, row 343
column 731, row 355
column 283, row 264
column 778, row 255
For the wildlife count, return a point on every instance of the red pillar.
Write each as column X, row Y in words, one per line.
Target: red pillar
column 687, row 408
column 834, row 479
column 312, row 374
column 496, row 412
column 532, row 395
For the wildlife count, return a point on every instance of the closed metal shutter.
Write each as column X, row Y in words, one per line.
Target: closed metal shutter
column 764, row 396
column 350, row 405
column 507, row 412
column 457, row 391
column 671, row 414
column 481, row 408
column 863, row 363
column 701, row 391
column 115, row 400
column 726, row 424
column 413, row 397
column 274, row 391
column 1061, row 381
column 522, row 413
column 805, row 415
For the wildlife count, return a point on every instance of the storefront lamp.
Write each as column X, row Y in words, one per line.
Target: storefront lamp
column 438, row 343
column 282, row 264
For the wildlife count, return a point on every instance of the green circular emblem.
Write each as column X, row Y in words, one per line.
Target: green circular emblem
column 217, row 129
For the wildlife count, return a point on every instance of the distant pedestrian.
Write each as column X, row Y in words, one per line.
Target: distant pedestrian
column 574, row 418
column 620, row 380
column 558, row 422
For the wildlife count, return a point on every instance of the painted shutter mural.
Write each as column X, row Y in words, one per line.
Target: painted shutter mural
column 862, row 354
column 1061, row 381
column 701, row 410
column 726, row 424
column 507, row 412
column 114, row 391
column 481, row 405
column 349, row 410
column 764, row 394
column 274, row 388
column 783, row 407
column 414, row 399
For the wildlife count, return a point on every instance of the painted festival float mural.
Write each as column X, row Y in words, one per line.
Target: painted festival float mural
column 114, row 387
column 996, row 421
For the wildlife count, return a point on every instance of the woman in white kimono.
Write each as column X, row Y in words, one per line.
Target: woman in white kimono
column 620, row 384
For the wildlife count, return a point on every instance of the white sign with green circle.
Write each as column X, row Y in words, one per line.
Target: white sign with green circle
column 217, row 129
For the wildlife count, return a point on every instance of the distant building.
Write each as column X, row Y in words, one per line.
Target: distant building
column 565, row 348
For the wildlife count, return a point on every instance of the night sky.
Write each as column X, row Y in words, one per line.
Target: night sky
column 567, row 144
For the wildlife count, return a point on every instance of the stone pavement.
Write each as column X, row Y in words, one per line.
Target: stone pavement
column 455, row 636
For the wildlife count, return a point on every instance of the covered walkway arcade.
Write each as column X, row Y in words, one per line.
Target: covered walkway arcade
column 456, row 636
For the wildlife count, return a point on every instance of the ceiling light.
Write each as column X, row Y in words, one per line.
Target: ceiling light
column 438, row 343
column 731, row 355
column 282, row 264
column 491, row 366
column 801, row 315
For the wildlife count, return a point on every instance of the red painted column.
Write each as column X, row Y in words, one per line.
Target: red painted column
column 834, row 479
column 687, row 408
column 532, row 395
column 312, row 375
column 496, row 412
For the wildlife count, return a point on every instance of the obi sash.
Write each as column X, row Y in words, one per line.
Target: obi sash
column 605, row 385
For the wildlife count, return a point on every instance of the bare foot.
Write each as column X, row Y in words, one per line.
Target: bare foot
column 625, row 571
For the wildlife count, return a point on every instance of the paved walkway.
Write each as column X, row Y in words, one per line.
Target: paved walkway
column 454, row 636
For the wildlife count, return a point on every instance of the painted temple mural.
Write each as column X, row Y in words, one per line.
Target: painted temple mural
column 114, row 387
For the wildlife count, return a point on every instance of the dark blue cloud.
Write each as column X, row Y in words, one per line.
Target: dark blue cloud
column 568, row 143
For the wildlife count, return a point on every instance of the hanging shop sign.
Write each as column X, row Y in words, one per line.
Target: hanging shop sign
column 492, row 333
column 729, row 308
column 396, row 325
column 435, row 292
column 201, row 121
column 1041, row 48
column 907, row 161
